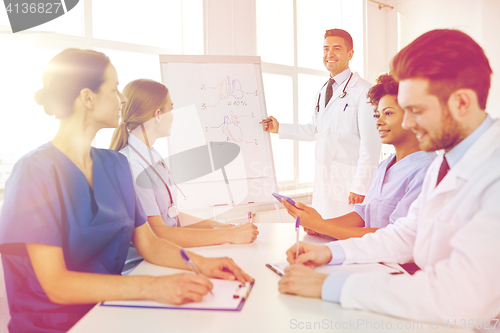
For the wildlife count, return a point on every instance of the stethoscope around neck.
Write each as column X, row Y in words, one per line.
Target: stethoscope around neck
column 342, row 95
column 172, row 211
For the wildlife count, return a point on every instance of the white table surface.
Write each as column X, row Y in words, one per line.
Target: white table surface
column 266, row 310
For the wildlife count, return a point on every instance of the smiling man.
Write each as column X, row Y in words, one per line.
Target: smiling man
column 452, row 229
column 347, row 143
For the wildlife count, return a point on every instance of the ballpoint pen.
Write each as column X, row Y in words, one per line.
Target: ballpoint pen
column 191, row 264
column 265, row 121
column 297, row 224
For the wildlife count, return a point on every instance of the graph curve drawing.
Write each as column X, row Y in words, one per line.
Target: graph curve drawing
column 227, row 88
column 232, row 88
column 232, row 129
column 221, row 101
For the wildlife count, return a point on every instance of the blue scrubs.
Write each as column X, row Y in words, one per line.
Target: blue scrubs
column 49, row 201
column 394, row 189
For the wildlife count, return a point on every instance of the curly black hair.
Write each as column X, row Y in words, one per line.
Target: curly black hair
column 386, row 85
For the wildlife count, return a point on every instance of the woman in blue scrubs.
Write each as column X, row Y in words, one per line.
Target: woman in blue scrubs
column 397, row 181
column 70, row 212
column 146, row 117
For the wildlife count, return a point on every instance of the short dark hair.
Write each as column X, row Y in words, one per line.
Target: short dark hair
column 450, row 60
column 340, row 33
column 66, row 75
column 386, row 85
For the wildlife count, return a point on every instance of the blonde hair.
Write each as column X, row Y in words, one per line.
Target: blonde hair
column 144, row 98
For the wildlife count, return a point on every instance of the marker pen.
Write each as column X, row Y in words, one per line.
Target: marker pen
column 297, row 225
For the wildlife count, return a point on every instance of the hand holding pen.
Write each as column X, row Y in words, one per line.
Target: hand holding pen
column 219, row 268
column 177, row 288
column 308, row 254
column 270, row 124
column 191, row 265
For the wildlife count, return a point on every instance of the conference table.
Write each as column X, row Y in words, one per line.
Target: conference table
column 265, row 310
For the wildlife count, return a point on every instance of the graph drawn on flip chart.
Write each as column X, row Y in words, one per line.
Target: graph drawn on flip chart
column 233, row 128
column 218, row 100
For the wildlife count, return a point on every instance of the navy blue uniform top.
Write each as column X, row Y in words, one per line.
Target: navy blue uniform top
column 49, row 201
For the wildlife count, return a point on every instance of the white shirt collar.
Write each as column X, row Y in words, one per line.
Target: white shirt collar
column 342, row 76
column 456, row 153
column 146, row 152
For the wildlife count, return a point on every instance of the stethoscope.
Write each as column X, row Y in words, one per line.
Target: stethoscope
column 342, row 95
column 172, row 211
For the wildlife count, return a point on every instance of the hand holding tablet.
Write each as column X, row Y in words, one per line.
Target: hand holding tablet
column 281, row 197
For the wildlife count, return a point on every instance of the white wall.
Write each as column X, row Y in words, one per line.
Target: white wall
column 490, row 28
column 419, row 16
column 376, row 56
column 478, row 18
column 230, row 27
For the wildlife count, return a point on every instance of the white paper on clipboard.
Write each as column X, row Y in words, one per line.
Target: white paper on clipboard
column 279, row 268
column 223, row 298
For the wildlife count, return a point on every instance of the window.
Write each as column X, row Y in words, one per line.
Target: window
column 325, row 15
column 131, row 33
column 275, row 41
column 160, row 20
column 281, row 101
column 290, row 43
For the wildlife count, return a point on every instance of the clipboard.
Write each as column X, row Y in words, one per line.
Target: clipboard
column 279, row 268
column 227, row 296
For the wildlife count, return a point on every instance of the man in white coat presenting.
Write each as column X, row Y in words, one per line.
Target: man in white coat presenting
column 452, row 230
column 347, row 142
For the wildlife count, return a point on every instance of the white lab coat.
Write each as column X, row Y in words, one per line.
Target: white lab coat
column 452, row 232
column 347, row 146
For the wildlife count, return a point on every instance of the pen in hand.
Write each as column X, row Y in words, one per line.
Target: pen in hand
column 297, row 225
column 265, row 121
column 191, row 265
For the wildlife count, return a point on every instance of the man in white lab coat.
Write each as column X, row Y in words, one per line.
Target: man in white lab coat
column 452, row 231
column 347, row 143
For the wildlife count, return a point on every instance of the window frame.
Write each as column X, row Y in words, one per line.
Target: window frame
column 294, row 71
column 36, row 39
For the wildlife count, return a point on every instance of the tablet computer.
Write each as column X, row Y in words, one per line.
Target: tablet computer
column 280, row 197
